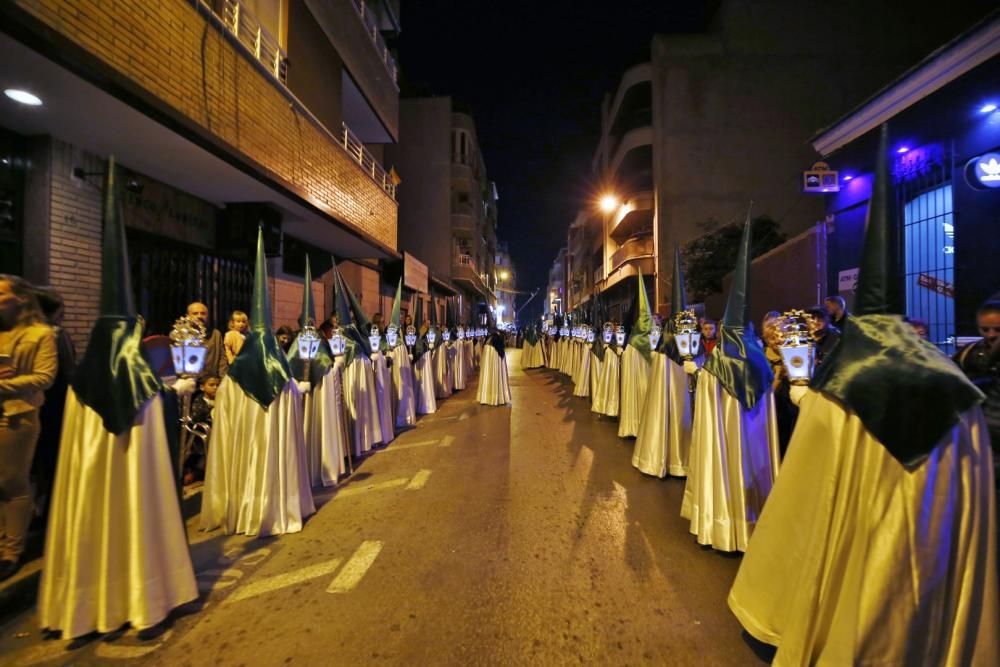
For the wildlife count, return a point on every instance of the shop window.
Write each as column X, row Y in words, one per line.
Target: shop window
column 929, row 274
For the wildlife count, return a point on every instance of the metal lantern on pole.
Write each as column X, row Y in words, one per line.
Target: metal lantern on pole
column 460, row 333
column 187, row 346
column 431, row 338
column 445, row 336
column 374, row 339
column 308, row 342
column 609, row 333
column 687, row 334
column 391, row 335
column 338, row 345
column 654, row 336
column 410, row 337
column 620, row 336
column 798, row 352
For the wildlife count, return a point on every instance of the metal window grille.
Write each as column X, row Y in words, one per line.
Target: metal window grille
column 924, row 193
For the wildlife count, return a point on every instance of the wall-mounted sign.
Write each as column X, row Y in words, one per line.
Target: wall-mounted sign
column 820, row 179
column 935, row 284
column 414, row 273
column 847, row 282
column 161, row 210
column 983, row 172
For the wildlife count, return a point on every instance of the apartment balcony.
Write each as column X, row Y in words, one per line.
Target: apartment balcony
column 634, row 92
column 463, row 272
column 638, row 138
column 463, row 220
column 199, row 103
column 633, row 250
column 634, row 217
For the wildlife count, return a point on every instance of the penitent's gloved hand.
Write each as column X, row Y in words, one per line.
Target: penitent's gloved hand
column 690, row 367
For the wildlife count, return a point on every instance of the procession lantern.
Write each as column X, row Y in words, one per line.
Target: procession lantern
column 374, row 339
column 686, row 334
column 481, row 332
column 590, row 335
column 796, row 346
column 609, row 332
column 564, row 332
column 460, row 333
column 308, row 342
column 445, row 335
column 391, row 335
column 411, row 336
column 654, row 336
column 553, row 330
column 620, row 335
column 431, row 338
column 338, row 345
column 187, row 346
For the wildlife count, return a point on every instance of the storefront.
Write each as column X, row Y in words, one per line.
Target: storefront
column 944, row 123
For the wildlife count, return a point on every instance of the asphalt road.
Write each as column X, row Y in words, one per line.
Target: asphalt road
column 518, row 535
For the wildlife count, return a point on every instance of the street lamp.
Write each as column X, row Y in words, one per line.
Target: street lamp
column 504, row 275
column 609, row 203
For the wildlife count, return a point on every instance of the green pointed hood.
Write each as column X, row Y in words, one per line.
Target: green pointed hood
column 597, row 318
column 639, row 339
column 738, row 360
column 261, row 368
column 356, row 342
column 319, row 366
column 113, row 378
column 678, row 304
column 395, row 317
column 906, row 393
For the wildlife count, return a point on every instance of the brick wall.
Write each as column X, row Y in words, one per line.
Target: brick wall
column 75, row 238
column 286, row 300
column 174, row 53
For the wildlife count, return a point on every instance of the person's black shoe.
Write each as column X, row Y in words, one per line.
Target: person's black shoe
column 7, row 569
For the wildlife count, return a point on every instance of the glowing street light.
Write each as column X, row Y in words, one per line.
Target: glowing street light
column 504, row 275
column 609, row 203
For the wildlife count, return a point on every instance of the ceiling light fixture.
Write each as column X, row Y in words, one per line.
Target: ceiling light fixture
column 23, row 96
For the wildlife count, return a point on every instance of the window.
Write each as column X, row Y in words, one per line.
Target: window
column 929, row 274
column 460, row 147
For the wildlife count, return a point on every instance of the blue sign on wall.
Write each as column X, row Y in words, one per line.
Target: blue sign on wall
column 984, row 171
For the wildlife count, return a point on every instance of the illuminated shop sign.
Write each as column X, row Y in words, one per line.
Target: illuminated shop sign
column 983, row 172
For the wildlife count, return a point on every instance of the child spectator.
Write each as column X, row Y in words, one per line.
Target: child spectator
column 239, row 325
column 201, row 421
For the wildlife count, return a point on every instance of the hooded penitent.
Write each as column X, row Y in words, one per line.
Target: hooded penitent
column 879, row 357
column 261, row 368
column 678, row 303
column 362, row 325
column 355, row 342
column 323, row 360
column 643, row 321
column 597, row 319
column 114, row 379
column 394, row 317
column 738, row 360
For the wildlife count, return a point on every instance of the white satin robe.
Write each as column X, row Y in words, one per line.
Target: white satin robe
column 456, row 358
column 257, row 475
column 596, row 368
column 402, row 388
column 494, row 387
column 732, row 467
column 606, row 400
column 664, row 440
column 423, row 384
column 635, row 371
column 116, row 549
column 531, row 355
column 444, row 384
column 858, row 560
column 361, row 405
column 581, row 387
column 326, row 438
column 383, row 398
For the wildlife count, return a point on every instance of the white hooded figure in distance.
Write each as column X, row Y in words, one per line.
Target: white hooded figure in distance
column 581, row 385
column 423, row 365
column 444, row 382
column 364, row 424
column 116, row 550
column 322, row 407
column 636, row 366
column 877, row 545
column 257, row 476
column 664, row 440
column 402, row 370
column 606, row 400
column 734, row 440
column 494, row 387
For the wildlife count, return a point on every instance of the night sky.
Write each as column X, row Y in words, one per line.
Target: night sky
column 534, row 74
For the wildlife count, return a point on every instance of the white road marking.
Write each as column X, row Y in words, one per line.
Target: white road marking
column 447, row 440
column 356, row 567
column 356, row 488
column 124, row 652
column 419, row 480
column 210, row 580
column 283, row 580
column 252, row 558
column 411, row 445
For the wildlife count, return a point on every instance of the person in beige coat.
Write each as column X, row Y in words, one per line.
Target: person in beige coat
column 28, row 364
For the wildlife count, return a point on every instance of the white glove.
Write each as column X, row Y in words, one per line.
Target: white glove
column 185, row 386
column 411, row 357
column 797, row 392
column 690, row 367
column 303, row 386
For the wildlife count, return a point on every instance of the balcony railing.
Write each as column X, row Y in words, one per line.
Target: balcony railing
column 244, row 28
column 248, row 31
column 368, row 19
column 633, row 249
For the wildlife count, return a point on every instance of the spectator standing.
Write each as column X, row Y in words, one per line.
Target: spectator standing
column 202, row 407
column 51, row 413
column 285, row 335
column 823, row 332
column 709, row 333
column 239, row 325
column 981, row 364
column 836, row 308
column 28, row 363
column 216, row 362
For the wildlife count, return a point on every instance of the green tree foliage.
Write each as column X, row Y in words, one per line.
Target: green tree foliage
column 711, row 256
